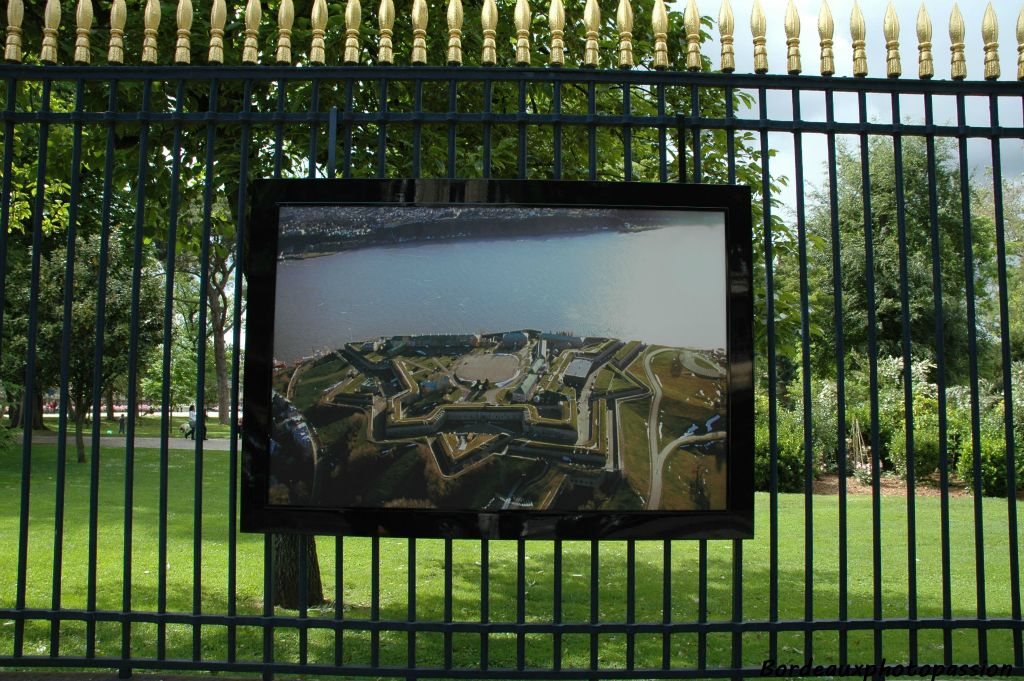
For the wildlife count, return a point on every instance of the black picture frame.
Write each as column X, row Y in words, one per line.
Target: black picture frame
column 261, row 258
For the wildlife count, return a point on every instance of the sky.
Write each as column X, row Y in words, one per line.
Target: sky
column 812, row 105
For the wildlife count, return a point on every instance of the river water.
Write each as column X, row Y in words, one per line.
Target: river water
column 661, row 286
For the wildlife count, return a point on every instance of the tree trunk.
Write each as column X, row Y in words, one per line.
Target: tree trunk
column 110, row 403
column 217, row 313
column 37, row 416
column 18, row 419
column 287, row 549
column 80, row 431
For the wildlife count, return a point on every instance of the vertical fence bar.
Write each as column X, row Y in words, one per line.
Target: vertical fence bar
column 133, row 353
column 662, row 136
column 869, row 269
column 630, row 602
column 627, row 132
column 165, row 372
column 521, row 129
column 375, row 600
column 5, row 187
column 520, row 603
column 453, row 109
column 1004, row 347
column 485, row 602
column 488, row 102
column 556, row 129
column 666, row 604
column 28, row 400
column 972, row 353
column 940, row 381
column 97, row 375
column 773, row 439
column 447, row 602
column 702, row 545
column 840, row 363
column 339, row 600
column 805, row 370
column 346, row 161
column 410, row 651
column 417, row 128
column 65, row 360
column 382, row 130
column 556, row 606
column 591, row 131
column 908, row 387
column 201, row 426
column 737, row 544
column 236, row 340
column 595, row 598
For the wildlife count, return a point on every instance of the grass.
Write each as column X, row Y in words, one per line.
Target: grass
column 146, row 426
column 634, row 449
column 429, row 574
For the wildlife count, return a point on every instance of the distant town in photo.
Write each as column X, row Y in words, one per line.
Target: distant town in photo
column 515, row 418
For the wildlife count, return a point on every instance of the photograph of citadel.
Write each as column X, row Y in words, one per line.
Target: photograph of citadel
column 488, row 359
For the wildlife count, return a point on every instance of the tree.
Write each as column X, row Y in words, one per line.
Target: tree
column 888, row 303
column 118, row 322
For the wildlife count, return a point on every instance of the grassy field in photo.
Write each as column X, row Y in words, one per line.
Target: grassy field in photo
column 577, row 579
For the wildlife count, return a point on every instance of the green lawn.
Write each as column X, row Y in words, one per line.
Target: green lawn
column 429, row 573
column 146, row 426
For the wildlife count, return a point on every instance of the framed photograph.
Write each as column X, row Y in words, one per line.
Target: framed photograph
column 499, row 359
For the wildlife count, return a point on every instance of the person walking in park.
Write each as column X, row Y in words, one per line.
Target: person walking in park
column 120, row 425
column 191, row 432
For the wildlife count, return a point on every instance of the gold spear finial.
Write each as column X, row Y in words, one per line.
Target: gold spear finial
column 925, row 63
column 826, row 29
column 454, row 32
column 659, row 27
column 419, row 32
column 51, row 22
column 15, row 15
column 250, row 49
column 1020, row 45
column 556, row 23
column 183, row 46
column 624, row 20
column 118, row 16
column 757, row 28
column 592, row 20
column 385, row 23
column 353, row 19
column 151, row 23
column 792, row 25
column 522, row 18
column 83, row 20
column 957, row 59
column 726, row 25
column 489, row 25
column 858, row 32
column 318, row 23
column 891, row 31
column 285, row 21
column 691, row 22
column 990, row 35
column 218, row 15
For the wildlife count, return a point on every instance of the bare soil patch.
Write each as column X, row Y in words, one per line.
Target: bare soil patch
column 487, row 367
column 889, row 485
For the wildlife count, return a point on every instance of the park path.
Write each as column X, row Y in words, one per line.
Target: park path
column 211, row 445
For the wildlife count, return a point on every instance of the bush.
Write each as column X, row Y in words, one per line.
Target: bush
column 790, row 448
column 993, row 463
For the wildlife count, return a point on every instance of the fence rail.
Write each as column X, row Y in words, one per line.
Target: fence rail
column 524, row 21
column 888, row 261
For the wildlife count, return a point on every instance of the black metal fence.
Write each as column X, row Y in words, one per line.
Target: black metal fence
column 119, row 184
